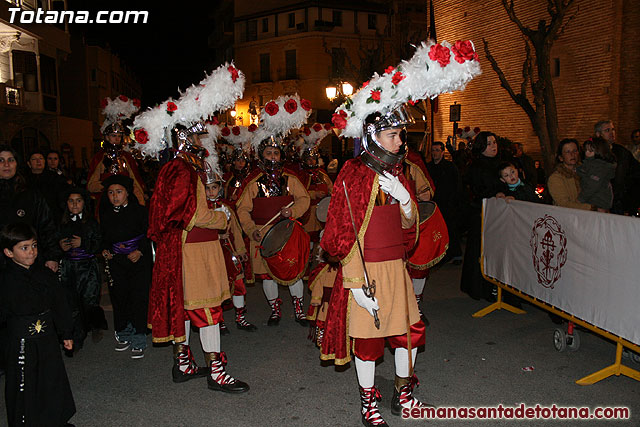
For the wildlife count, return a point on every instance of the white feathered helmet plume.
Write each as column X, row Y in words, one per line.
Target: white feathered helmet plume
column 218, row 91
column 312, row 136
column 240, row 137
column 117, row 110
column 435, row 68
column 208, row 141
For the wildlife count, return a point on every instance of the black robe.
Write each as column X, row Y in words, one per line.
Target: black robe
column 34, row 306
column 81, row 277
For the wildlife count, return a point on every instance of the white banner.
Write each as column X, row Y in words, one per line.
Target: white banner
column 585, row 263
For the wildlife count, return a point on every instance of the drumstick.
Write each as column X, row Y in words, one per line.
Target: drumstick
column 275, row 216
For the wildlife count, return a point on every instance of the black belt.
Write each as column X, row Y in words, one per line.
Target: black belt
column 31, row 326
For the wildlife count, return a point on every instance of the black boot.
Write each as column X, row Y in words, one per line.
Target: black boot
column 369, row 398
column 301, row 318
column 403, row 395
column 276, row 313
column 241, row 321
column 223, row 329
column 218, row 379
column 182, row 357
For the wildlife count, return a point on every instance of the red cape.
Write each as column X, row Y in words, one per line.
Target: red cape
column 339, row 240
column 171, row 209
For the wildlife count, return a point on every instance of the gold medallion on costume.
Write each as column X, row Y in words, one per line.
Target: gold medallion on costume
column 37, row 327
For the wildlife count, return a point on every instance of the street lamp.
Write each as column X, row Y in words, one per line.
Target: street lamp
column 332, row 92
column 338, row 91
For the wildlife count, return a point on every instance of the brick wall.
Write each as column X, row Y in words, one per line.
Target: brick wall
column 598, row 55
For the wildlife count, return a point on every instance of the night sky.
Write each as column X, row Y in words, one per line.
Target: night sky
column 168, row 52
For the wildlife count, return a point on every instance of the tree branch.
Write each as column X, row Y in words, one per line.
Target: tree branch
column 519, row 99
column 512, row 16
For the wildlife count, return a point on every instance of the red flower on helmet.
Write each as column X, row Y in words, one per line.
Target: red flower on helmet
column 463, row 51
column 225, row 131
column 206, row 152
column 305, row 104
column 397, row 78
column 412, row 102
column 137, row 102
column 234, row 72
column 365, row 83
column 375, row 95
column 123, row 98
column 440, row 53
column 252, row 127
column 291, row 106
column 389, row 69
column 327, row 126
column 141, row 136
column 317, row 127
column 271, row 108
column 103, row 103
column 476, row 129
column 235, row 130
column 459, row 131
column 306, row 131
column 339, row 119
column 171, row 107
column 467, row 128
column 213, row 121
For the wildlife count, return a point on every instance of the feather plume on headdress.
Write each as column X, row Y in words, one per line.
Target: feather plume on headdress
column 239, row 137
column 312, row 136
column 435, row 68
column 208, row 142
column 118, row 109
column 218, row 91
column 279, row 116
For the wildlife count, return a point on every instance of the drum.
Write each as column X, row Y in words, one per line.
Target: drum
column 323, row 209
column 285, row 250
column 433, row 241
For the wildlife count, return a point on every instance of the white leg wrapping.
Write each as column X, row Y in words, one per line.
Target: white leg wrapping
column 210, row 338
column 402, row 361
column 418, row 285
column 270, row 288
column 366, row 372
column 297, row 289
column 238, row 301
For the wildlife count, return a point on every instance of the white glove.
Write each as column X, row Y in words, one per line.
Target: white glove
column 224, row 209
column 364, row 301
column 392, row 186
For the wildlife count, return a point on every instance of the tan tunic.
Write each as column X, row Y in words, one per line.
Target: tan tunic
column 205, row 280
column 94, row 185
column 394, row 292
column 422, row 183
column 244, row 207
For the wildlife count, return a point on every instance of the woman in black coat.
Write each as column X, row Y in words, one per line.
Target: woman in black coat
column 484, row 182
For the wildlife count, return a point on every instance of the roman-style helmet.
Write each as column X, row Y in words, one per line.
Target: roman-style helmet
column 435, row 68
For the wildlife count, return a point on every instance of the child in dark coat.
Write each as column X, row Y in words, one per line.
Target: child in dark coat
column 79, row 238
column 127, row 251
column 596, row 172
column 514, row 187
column 37, row 390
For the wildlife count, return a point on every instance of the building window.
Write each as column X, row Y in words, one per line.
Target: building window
column 25, row 70
column 49, row 83
column 338, row 56
column 292, row 20
column 290, row 61
column 337, row 18
column 252, row 30
column 265, row 67
column 556, row 67
column 371, row 21
column 265, row 25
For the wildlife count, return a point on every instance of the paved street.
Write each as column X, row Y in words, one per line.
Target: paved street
column 466, row 362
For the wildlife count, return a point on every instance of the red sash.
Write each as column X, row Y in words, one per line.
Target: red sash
column 383, row 240
column 199, row 235
column 265, row 208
